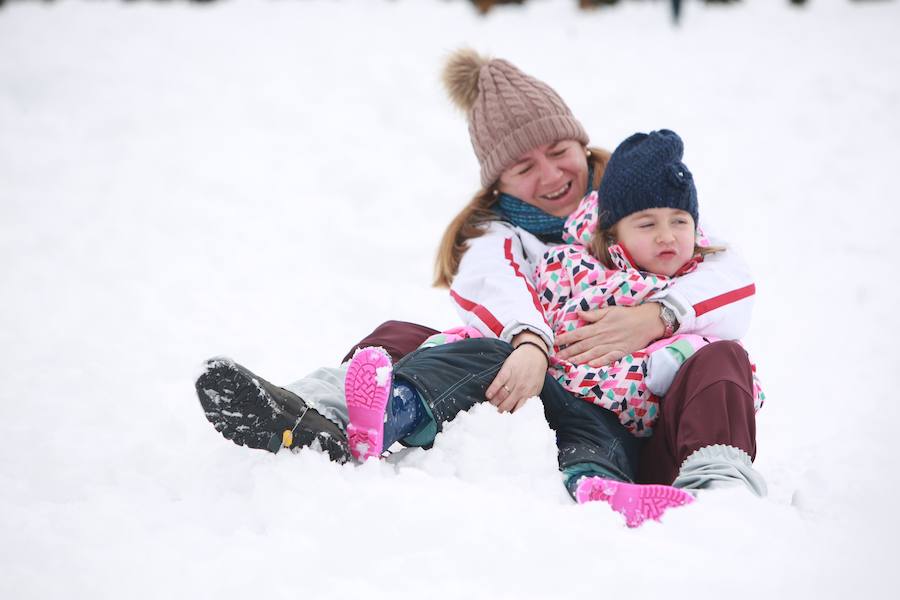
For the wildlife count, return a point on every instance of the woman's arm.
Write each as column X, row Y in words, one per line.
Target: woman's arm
column 494, row 292
column 611, row 333
column 522, row 374
column 715, row 300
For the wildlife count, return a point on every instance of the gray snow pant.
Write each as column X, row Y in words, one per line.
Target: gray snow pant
column 706, row 432
column 323, row 389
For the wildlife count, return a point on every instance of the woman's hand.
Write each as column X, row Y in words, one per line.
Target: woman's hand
column 521, row 376
column 613, row 332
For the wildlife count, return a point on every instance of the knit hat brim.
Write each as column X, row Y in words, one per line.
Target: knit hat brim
column 546, row 130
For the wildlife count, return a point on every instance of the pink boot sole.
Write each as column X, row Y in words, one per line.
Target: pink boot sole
column 636, row 502
column 367, row 387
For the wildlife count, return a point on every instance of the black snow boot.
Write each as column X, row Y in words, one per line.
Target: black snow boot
column 250, row 411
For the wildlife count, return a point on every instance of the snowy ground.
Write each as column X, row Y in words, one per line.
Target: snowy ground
column 268, row 180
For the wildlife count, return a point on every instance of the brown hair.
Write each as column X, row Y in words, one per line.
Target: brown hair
column 604, row 238
column 469, row 223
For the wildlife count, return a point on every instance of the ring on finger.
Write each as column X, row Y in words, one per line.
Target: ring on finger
column 506, row 387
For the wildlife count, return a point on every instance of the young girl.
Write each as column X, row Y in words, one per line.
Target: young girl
column 642, row 239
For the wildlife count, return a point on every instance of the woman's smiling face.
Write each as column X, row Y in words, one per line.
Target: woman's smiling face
column 552, row 177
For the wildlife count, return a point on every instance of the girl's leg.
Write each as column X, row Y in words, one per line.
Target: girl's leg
column 409, row 402
column 706, row 432
column 599, row 458
column 597, row 455
column 323, row 389
column 452, row 378
column 591, row 440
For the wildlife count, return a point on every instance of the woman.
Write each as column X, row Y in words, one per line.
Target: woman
column 535, row 167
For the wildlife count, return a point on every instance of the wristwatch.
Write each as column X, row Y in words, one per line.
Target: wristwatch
column 670, row 321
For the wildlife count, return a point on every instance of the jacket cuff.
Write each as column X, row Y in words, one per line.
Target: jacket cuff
column 683, row 309
column 514, row 329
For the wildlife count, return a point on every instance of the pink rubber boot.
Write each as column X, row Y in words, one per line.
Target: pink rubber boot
column 636, row 502
column 367, row 387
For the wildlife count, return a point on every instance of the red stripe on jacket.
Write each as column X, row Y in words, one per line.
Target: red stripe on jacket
column 701, row 308
column 479, row 311
column 507, row 250
column 579, row 276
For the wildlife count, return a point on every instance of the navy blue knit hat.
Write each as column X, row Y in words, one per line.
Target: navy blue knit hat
column 645, row 172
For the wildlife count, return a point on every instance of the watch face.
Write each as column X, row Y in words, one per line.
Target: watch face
column 668, row 318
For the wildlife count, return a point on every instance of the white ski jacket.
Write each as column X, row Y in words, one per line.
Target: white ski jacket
column 494, row 289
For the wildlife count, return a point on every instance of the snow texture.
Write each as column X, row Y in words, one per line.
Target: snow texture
column 269, row 181
column 382, row 375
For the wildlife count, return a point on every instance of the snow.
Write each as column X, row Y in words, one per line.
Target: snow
column 269, row 180
column 382, row 374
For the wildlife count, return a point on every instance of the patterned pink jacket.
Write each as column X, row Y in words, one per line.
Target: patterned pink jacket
column 569, row 279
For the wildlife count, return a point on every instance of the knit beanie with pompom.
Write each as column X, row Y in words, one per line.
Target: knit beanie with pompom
column 646, row 171
column 509, row 112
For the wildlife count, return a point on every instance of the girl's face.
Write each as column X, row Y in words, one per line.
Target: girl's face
column 659, row 240
column 552, row 177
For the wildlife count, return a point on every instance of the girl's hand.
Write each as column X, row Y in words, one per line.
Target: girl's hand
column 521, row 376
column 613, row 332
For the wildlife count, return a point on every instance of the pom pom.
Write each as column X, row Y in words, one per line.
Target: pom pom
column 678, row 175
column 461, row 77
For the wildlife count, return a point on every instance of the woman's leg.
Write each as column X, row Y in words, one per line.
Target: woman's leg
column 398, row 338
column 250, row 411
column 323, row 389
column 706, row 432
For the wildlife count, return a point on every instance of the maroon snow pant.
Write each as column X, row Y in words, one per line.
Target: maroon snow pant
column 710, row 401
column 399, row 338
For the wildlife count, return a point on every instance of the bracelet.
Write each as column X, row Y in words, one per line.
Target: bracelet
column 539, row 347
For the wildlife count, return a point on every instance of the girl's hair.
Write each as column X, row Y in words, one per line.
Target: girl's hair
column 604, row 238
column 470, row 223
